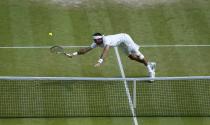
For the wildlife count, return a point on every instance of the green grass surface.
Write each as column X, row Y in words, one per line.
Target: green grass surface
column 27, row 23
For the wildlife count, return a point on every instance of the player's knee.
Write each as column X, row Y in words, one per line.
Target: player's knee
column 141, row 57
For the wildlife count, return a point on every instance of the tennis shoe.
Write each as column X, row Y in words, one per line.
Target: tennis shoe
column 153, row 66
column 152, row 75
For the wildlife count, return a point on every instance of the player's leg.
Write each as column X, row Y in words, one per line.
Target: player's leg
column 135, row 54
column 139, row 57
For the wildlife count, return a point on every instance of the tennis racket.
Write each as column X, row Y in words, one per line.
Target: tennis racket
column 59, row 50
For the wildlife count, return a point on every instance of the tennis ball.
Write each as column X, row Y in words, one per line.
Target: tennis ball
column 50, row 34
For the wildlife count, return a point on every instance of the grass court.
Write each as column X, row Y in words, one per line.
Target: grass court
column 26, row 23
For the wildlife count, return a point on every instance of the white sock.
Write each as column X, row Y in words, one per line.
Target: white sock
column 149, row 68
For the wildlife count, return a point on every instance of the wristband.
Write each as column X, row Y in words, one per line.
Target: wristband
column 100, row 61
column 75, row 53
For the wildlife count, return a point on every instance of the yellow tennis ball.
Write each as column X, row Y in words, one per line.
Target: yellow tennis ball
column 50, row 34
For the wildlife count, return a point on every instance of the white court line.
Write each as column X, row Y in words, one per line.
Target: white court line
column 126, row 87
column 143, row 46
column 178, row 45
column 35, row 47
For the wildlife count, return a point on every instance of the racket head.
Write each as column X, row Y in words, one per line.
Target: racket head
column 57, row 50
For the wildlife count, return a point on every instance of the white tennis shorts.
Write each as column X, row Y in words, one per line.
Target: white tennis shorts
column 130, row 47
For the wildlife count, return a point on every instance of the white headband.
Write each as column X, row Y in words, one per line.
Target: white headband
column 97, row 37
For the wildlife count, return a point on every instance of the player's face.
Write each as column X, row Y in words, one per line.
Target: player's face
column 98, row 41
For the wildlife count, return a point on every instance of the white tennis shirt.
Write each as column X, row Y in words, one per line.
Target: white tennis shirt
column 121, row 39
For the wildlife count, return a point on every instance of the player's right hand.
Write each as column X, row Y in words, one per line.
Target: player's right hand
column 69, row 55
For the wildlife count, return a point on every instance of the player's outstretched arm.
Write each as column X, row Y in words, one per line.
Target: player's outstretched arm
column 79, row 52
column 103, row 56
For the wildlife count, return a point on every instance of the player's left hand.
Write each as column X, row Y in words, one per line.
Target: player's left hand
column 97, row 64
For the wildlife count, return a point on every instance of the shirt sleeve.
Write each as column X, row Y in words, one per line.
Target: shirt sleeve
column 93, row 45
column 106, row 41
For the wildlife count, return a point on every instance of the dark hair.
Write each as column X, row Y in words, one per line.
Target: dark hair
column 97, row 34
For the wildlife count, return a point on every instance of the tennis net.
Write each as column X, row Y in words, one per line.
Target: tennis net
column 103, row 97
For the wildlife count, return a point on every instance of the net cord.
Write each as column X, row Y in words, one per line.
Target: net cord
column 103, row 78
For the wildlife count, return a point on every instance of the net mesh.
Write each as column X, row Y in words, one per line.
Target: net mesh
column 174, row 98
column 74, row 98
column 62, row 98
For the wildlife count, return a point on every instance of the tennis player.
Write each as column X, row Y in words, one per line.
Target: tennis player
column 122, row 40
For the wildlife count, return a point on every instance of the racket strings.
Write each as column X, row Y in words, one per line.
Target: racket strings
column 57, row 49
